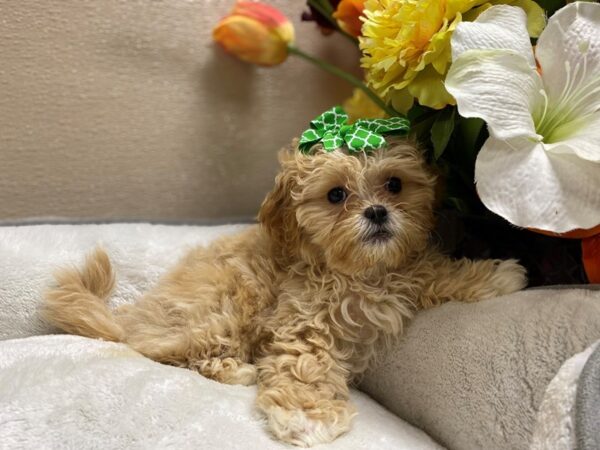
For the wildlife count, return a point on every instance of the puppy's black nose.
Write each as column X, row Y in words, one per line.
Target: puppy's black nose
column 376, row 214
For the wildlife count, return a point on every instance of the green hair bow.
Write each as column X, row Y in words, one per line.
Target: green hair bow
column 332, row 131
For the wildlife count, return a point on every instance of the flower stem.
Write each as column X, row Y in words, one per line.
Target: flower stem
column 325, row 5
column 345, row 76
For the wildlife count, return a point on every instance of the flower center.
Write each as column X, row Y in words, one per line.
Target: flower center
column 561, row 117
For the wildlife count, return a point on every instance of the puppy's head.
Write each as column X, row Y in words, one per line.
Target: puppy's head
column 351, row 212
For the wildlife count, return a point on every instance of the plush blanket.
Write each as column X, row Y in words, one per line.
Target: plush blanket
column 140, row 253
column 71, row 392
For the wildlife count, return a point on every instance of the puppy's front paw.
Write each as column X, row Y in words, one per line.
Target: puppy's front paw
column 509, row 276
column 308, row 427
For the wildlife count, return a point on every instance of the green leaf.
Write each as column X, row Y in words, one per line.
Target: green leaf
column 416, row 112
column 551, row 5
column 441, row 131
column 470, row 129
column 458, row 204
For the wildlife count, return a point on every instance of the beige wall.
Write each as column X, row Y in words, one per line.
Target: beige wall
column 125, row 110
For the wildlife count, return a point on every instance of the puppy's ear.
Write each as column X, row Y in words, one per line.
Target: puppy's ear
column 277, row 214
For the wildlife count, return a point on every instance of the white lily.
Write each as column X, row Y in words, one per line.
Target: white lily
column 540, row 167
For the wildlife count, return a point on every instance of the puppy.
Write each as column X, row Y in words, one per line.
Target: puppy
column 300, row 302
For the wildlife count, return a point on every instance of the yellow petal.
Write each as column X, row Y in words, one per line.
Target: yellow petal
column 536, row 17
column 456, row 7
column 402, row 101
column 360, row 106
column 428, row 88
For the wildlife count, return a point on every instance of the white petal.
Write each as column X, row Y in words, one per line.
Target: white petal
column 500, row 26
column 498, row 86
column 533, row 188
column 585, row 142
column 568, row 52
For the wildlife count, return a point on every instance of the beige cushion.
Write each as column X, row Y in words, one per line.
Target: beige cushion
column 473, row 375
column 126, row 110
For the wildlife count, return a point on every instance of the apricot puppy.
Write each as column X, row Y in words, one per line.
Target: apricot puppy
column 300, row 302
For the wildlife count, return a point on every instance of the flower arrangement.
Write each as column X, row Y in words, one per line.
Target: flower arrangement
column 504, row 95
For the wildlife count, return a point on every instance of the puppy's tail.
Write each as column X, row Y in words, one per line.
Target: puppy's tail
column 77, row 303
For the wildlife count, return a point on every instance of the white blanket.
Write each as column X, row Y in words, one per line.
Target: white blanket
column 140, row 254
column 72, row 392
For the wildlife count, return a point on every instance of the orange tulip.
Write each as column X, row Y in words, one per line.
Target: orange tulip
column 348, row 15
column 256, row 33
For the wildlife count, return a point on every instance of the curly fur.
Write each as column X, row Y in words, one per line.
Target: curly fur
column 300, row 302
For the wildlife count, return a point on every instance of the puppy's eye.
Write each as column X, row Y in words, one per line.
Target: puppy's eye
column 394, row 185
column 336, row 195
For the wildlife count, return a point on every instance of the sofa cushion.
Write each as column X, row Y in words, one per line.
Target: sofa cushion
column 555, row 422
column 127, row 110
column 473, row 375
column 587, row 410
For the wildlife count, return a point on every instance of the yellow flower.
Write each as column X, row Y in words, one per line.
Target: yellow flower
column 256, row 33
column 360, row 106
column 406, row 46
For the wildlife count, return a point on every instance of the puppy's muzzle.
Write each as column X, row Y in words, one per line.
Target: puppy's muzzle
column 377, row 214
